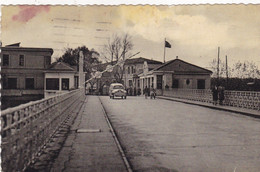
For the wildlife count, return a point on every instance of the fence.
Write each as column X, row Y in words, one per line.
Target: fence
column 27, row 128
column 242, row 99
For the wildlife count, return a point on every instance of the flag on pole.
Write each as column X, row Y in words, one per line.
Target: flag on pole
column 167, row 44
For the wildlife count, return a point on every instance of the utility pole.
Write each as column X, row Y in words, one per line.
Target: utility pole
column 218, row 65
column 227, row 71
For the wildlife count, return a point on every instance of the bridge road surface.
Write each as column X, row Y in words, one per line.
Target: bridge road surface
column 162, row 135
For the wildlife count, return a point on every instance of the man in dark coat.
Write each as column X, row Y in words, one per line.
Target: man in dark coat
column 215, row 95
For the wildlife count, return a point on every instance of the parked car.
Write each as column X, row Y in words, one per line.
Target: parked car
column 117, row 90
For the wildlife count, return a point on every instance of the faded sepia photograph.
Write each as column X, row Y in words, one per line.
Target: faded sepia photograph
column 114, row 88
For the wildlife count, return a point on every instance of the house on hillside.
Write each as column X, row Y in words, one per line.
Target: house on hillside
column 176, row 74
column 22, row 71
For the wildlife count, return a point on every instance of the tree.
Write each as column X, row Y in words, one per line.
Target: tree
column 222, row 68
column 118, row 49
column 91, row 58
column 245, row 69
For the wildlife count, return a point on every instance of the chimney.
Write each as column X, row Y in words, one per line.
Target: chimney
column 176, row 57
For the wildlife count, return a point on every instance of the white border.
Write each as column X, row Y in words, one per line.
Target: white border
column 127, row 2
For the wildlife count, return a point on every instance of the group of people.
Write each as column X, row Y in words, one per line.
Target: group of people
column 133, row 91
column 218, row 95
column 149, row 92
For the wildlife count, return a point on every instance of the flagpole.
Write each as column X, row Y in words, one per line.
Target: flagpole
column 164, row 51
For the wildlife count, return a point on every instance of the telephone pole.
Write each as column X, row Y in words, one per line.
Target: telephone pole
column 218, row 65
column 227, row 71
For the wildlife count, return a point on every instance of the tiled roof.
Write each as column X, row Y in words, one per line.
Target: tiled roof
column 180, row 66
column 61, row 66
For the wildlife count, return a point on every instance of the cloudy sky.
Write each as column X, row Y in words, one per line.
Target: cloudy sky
column 195, row 32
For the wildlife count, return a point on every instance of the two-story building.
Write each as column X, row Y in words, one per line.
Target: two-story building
column 132, row 68
column 22, row 71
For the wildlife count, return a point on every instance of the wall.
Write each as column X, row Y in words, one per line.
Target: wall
column 193, row 81
column 242, row 99
column 48, row 93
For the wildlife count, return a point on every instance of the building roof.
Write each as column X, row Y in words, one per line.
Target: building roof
column 13, row 47
column 180, row 66
column 139, row 60
column 61, row 66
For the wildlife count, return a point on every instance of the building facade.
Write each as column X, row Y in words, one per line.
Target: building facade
column 132, row 68
column 22, row 71
column 176, row 74
column 60, row 78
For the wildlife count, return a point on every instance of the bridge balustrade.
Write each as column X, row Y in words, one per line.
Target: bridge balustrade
column 242, row 99
column 26, row 129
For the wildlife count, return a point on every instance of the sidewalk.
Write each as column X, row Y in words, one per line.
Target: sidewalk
column 90, row 145
column 247, row 112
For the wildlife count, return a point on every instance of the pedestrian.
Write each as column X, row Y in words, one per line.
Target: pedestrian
column 153, row 93
column 131, row 91
column 215, row 95
column 221, row 95
column 139, row 91
column 146, row 92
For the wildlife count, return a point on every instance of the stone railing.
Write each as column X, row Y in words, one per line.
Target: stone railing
column 25, row 129
column 242, row 99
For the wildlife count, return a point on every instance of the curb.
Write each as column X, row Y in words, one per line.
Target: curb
column 223, row 108
column 118, row 144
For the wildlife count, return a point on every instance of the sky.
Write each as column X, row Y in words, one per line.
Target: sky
column 194, row 32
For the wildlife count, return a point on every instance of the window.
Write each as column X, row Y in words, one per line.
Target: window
column 130, row 83
column 187, row 82
column 65, row 83
column 159, row 81
column 175, row 83
column 5, row 60
column 201, row 84
column 128, row 70
column 21, row 60
column 132, row 69
column 29, row 83
column 52, row 84
column 118, row 87
column 76, row 81
column 12, row 83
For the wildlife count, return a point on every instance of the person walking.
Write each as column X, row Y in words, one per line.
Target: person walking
column 146, row 92
column 153, row 93
column 215, row 95
column 221, row 95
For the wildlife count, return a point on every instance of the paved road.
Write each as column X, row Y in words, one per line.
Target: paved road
column 162, row 135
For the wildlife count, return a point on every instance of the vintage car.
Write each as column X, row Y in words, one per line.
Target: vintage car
column 117, row 90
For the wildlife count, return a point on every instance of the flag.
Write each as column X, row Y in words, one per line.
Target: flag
column 167, row 44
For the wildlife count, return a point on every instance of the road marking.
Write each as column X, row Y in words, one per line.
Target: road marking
column 88, row 130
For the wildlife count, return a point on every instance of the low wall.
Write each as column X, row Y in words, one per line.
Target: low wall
column 242, row 99
column 25, row 129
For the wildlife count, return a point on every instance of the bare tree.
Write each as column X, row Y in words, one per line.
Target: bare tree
column 118, row 49
column 244, row 69
column 222, row 68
